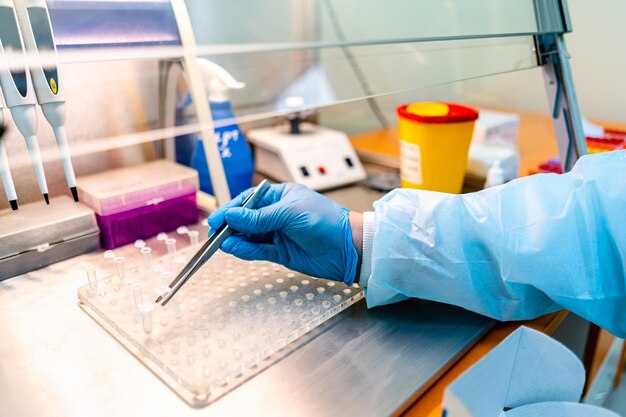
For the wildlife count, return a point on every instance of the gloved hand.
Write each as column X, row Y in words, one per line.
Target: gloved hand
column 295, row 227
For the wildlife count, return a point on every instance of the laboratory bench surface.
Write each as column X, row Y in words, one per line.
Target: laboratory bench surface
column 56, row 361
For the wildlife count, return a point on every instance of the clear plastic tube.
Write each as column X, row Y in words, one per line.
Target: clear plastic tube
column 171, row 245
column 120, row 267
column 146, row 254
column 193, row 237
column 92, row 278
column 146, row 309
column 138, row 294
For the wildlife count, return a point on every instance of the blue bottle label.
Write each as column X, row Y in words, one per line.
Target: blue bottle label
column 233, row 149
column 224, row 139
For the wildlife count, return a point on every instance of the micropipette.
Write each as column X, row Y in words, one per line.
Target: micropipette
column 5, row 170
column 17, row 88
column 211, row 246
column 36, row 29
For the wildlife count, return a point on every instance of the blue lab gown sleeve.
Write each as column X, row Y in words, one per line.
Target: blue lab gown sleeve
column 511, row 252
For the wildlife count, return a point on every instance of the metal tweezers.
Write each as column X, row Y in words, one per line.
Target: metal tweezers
column 210, row 246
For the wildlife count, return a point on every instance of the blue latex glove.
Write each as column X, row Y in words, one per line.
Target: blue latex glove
column 295, row 227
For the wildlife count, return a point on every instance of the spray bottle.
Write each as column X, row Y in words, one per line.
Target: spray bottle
column 234, row 150
column 495, row 175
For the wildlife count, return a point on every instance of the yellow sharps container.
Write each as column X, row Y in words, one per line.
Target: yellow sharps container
column 434, row 144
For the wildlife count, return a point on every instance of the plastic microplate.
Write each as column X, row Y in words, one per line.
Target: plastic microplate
column 229, row 322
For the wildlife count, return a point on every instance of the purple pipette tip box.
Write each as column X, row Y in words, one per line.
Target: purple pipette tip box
column 143, row 222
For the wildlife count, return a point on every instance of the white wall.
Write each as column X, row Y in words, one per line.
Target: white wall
column 598, row 49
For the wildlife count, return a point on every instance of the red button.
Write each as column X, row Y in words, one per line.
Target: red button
column 322, row 170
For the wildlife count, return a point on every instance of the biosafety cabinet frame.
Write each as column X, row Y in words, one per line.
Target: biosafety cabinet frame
column 552, row 55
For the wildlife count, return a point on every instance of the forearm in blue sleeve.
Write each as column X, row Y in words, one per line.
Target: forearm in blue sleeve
column 511, row 252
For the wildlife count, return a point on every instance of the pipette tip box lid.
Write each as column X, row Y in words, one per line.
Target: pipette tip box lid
column 146, row 221
column 38, row 235
column 129, row 188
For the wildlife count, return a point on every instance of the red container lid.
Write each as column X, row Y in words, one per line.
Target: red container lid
column 433, row 112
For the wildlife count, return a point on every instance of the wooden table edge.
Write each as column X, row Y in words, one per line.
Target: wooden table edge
column 429, row 404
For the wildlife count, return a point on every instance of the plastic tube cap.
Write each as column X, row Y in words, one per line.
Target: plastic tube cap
column 435, row 112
